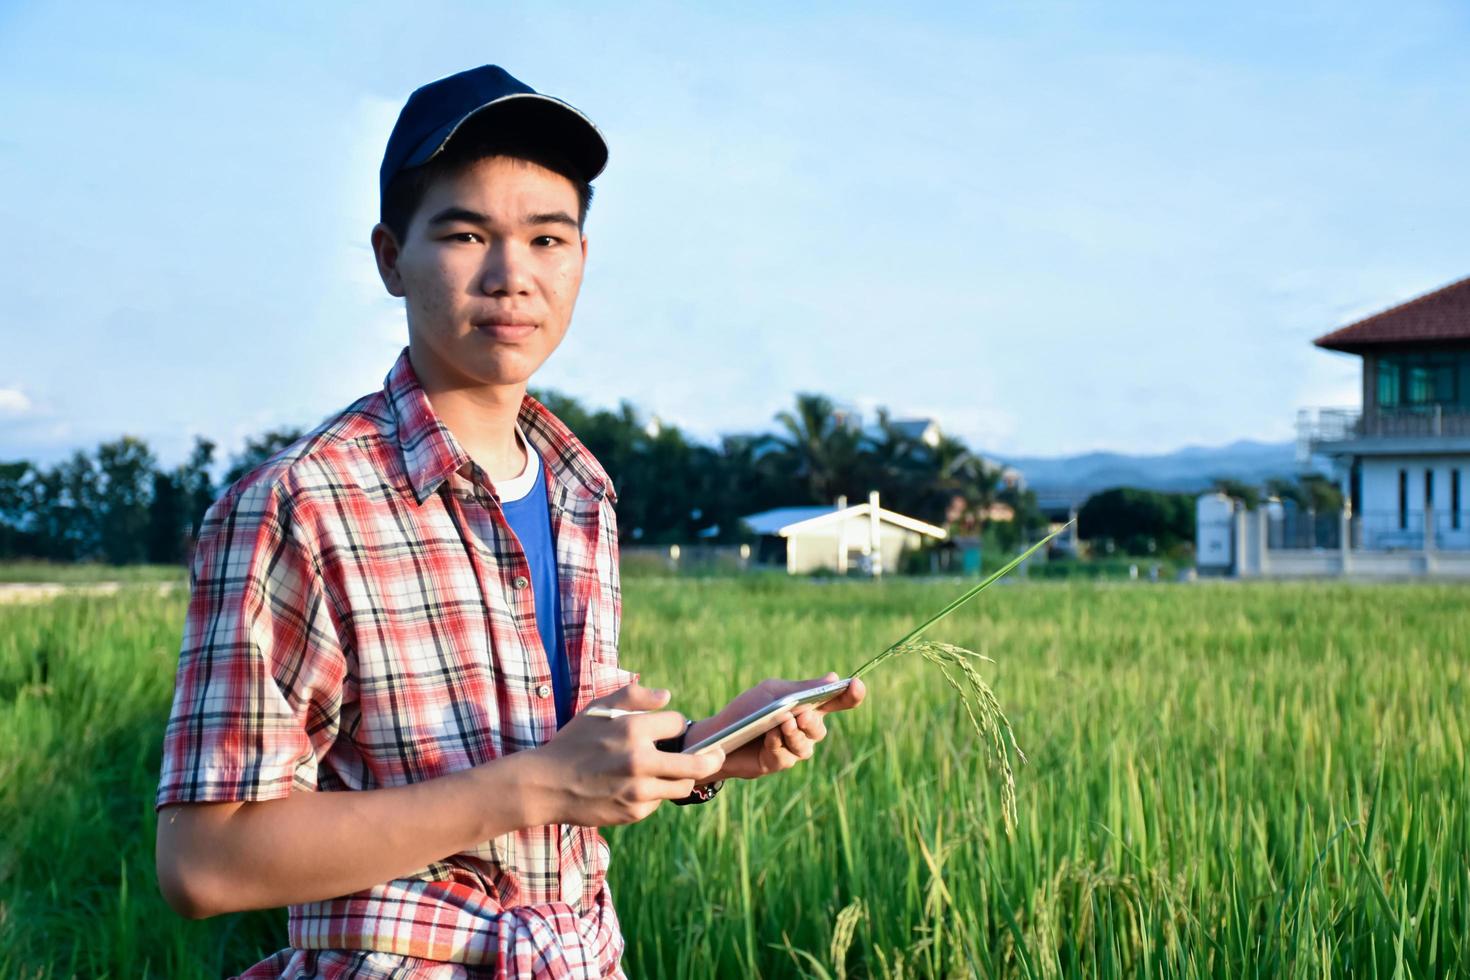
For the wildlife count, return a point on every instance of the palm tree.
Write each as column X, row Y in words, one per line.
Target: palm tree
column 894, row 465
column 965, row 479
column 821, row 448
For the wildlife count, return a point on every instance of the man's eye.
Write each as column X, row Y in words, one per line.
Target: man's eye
column 468, row 237
column 545, row 240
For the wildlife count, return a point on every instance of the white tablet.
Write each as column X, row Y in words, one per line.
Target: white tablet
column 762, row 720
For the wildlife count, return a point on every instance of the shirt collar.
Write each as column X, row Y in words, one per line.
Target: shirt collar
column 431, row 453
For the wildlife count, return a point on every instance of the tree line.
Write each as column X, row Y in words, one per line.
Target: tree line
column 118, row 505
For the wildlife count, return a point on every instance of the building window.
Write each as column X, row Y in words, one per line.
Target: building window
column 1428, row 490
column 1388, row 384
column 1403, row 500
column 1455, row 499
column 1423, row 380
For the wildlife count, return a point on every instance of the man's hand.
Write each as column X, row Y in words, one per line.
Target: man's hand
column 601, row 771
column 789, row 742
column 306, row 847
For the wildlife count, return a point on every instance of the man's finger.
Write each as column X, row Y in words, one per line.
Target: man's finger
column 656, row 725
column 777, row 755
column 848, row 699
column 796, row 741
column 679, row 765
column 811, row 724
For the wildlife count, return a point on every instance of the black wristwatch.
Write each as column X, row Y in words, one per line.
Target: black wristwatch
column 675, row 743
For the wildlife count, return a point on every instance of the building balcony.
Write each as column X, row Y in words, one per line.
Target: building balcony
column 1339, row 430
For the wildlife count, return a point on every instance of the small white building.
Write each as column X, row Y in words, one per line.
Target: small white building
column 865, row 538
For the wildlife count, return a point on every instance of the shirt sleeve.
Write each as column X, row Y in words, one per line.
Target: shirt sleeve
column 259, row 687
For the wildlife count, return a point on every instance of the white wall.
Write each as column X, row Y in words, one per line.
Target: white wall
column 811, row 550
column 1256, row 561
column 1378, row 514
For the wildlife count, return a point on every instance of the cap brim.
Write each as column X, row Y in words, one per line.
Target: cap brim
column 540, row 118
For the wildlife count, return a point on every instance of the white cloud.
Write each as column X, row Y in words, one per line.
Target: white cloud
column 13, row 401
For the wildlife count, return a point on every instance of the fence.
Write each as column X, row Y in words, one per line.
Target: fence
column 1368, row 531
column 1264, row 547
column 1405, row 531
column 1345, row 424
column 686, row 559
column 1293, row 529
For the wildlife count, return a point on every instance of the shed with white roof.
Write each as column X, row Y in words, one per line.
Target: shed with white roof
column 865, row 537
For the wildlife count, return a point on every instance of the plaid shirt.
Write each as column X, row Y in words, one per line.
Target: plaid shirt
column 360, row 617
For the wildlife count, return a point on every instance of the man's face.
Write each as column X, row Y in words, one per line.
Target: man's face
column 490, row 270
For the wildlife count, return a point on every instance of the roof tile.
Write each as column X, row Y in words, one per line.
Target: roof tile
column 1436, row 317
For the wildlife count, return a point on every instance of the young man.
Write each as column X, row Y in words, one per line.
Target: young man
column 396, row 624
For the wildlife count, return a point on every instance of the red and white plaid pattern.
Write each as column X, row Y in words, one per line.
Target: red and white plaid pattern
column 360, row 617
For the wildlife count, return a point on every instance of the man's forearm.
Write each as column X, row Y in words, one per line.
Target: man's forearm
column 309, row 846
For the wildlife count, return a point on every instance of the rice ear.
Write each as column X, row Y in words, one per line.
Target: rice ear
column 980, row 703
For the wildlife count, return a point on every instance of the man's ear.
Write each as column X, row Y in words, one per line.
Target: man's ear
column 386, row 250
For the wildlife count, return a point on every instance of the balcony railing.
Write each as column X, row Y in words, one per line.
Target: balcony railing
column 1317, row 425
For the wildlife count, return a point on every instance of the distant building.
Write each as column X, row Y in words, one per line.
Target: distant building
column 864, row 538
column 1402, row 459
column 925, row 431
column 996, row 510
column 1010, row 477
column 848, row 418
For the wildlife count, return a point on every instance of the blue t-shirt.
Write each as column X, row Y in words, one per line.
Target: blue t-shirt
column 530, row 519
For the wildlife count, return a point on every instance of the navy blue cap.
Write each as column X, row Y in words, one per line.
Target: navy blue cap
column 491, row 96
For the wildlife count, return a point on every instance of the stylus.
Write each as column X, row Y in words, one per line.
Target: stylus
column 598, row 711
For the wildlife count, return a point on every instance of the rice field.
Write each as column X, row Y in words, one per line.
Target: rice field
column 1224, row 780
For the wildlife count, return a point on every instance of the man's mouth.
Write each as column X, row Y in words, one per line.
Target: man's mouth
column 506, row 328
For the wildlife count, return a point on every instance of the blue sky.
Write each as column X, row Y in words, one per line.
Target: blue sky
column 1054, row 227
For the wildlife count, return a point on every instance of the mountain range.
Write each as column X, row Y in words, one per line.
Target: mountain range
column 1189, row 469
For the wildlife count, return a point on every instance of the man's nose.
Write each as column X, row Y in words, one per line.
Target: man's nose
column 505, row 272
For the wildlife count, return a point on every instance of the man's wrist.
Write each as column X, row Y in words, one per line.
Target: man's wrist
column 522, row 782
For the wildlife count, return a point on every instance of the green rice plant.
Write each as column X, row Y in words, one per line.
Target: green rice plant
column 1244, row 779
column 957, row 666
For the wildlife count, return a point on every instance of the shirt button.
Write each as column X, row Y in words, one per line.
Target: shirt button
column 520, row 582
column 543, row 691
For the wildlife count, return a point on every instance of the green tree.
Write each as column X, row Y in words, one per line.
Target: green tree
column 1312, row 492
column 667, row 485
column 822, row 448
column 742, row 476
column 180, row 498
column 1239, row 490
column 67, row 504
column 891, row 464
column 1135, row 519
column 966, row 482
column 1027, row 522
column 168, row 520
column 663, row 487
column 126, row 467
column 17, row 510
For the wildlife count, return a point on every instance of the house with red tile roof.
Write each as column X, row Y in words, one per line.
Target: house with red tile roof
column 1403, row 458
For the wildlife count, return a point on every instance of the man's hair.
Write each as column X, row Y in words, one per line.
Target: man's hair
column 407, row 189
